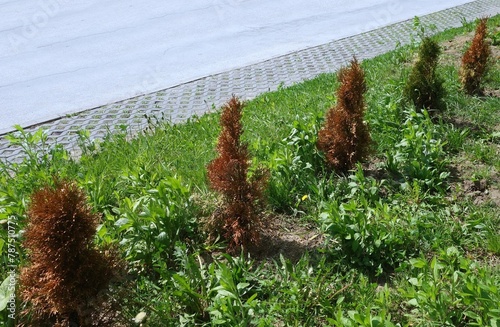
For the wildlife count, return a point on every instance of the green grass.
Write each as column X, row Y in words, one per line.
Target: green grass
column 403, row 242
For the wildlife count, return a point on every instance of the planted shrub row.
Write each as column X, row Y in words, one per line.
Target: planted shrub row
column 65, row 270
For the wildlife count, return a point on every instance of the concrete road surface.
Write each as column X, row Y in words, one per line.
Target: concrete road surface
column 63, row 56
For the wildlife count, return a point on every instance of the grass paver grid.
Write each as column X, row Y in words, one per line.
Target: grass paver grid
column 200, row 96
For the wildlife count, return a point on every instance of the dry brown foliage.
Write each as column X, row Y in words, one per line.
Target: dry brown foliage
column 475, row 60
column 345, row 137
column 66, row 275
column 228, row 174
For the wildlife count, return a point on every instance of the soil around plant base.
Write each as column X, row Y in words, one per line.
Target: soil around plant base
column 454, row 49
column 284, row 235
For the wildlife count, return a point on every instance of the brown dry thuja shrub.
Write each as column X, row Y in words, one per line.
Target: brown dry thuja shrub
column 65, row 272
column 228, row 174
column 424, row 88
column 475, row 61
column 345, row 137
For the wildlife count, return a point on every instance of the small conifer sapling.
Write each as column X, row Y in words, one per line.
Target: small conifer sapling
column 239, row 215
column 64, row 270
column 475, row 61
column 345, row 137
column 424, row 88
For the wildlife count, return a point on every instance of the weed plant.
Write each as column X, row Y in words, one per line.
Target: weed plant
column 156, row 213
column 419, row 157
column 451, row 290
column 295, row 167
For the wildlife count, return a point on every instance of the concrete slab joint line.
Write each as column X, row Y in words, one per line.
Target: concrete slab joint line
column 200, row 96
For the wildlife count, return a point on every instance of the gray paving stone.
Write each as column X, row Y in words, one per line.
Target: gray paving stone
column 200, row 96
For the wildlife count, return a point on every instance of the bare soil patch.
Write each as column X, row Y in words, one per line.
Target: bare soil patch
column 279, row 234
column 454, row 49
column 466, row 186
column 287, row 236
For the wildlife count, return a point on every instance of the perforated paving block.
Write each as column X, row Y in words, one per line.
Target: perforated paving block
column 200, row 96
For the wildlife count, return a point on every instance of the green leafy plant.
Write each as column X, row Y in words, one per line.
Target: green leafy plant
column 218, row 294
column 235, row 300
column 193, row 287
column 238, row 219
column 362, row 318
column 419, row 156
column 371, row 233
column 157, row 213
column 495, row 38
column 304, row 291
column 452, row 291
column 424, row 87
column 39, row 161
column 295, row 166
column 345, row 138
column 475, row 61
